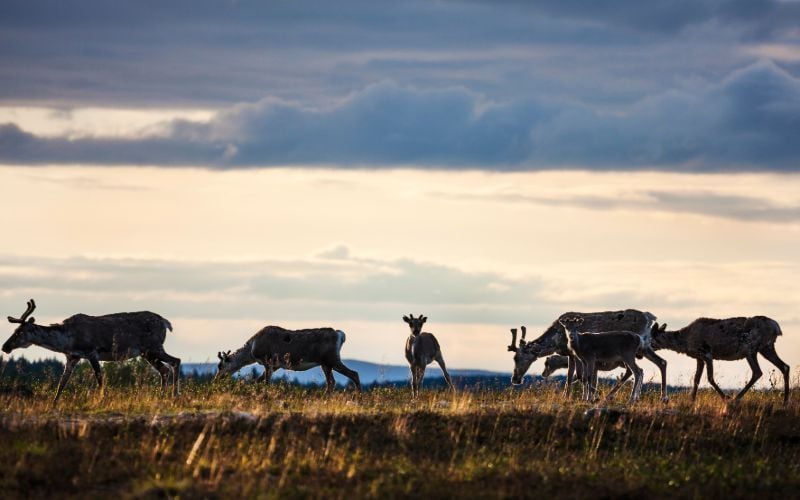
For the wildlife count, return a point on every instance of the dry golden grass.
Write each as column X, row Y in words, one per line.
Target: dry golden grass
column 281, row 441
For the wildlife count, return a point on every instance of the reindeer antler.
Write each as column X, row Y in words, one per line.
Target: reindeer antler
column 513, row 346
column 24, row 317
column 524, row 330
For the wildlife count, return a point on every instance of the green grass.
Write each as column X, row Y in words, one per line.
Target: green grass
column 238, row 439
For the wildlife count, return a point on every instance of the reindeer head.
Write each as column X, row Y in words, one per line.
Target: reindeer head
column 524, row 355
column 225, row 366
column 571, row 323
column 657, row 333
column 21, row 337
column 415, row 323
column 553, row 364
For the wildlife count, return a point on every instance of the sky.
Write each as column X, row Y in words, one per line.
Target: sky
column 233, row 164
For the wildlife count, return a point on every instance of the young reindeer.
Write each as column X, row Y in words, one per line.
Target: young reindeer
column 729, row 339
column 608, row 347
column 422, row 348
column 113, row 337
column 274, row 347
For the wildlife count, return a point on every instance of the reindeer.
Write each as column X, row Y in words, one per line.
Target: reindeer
column 729, row 339
column 556, row 362
column 608, row 347
column 554, row 341
column 113, row 337
column 422, row 348
column 274, row 347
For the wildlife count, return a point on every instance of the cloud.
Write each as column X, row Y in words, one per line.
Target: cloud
column 746, row 122
column 208, row 53
column 696, row 202
column 322, row 288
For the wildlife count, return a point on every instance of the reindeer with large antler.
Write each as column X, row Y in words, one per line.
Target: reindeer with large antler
column 422, row 349
column 274, row 347
column 113, row 337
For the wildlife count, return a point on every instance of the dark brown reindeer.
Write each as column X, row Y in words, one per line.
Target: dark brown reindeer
column 112, row 337
column 729, row 339
column 589, row 348
column 274, row 348
column 554, row 341
column 422, row 349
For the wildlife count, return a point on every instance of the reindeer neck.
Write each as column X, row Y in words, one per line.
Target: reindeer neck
column 50, row 337
column 572, row 338
column 674, row 341
column 243, row 356
column 550, row 341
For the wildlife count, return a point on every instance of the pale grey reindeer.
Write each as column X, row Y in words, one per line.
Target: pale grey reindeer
column 728, row 339
column 274, row 348
column 557, row 362
column 607, row 347
column 112, row 337
column 422, row 349
column 554, row 341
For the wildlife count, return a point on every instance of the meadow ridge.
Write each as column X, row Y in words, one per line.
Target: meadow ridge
column 239, row 438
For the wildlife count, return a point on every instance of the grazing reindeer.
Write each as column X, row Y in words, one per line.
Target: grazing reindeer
column 555, row 362
column 608, row 347
column 422, row 348
column 113, row 337
column 554, row 341
column 726, row 339
column 274, row 347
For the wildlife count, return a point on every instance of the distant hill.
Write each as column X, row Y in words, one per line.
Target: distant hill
column 369, row 373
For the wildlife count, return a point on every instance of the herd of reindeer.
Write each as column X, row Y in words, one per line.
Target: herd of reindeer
column 584, row 343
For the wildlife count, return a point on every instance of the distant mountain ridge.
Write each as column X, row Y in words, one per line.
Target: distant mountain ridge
column 369, row 373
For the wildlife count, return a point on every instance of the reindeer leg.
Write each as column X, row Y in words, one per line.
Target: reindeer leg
column 440, row 360
column 347, row 372
column 570, row 374
column 68, row 367
column 330, row 383
column 175, row 364
column 751, row 359
column 589, row 374
column 162, row 369
column 98, row 374
column 637, row 382
column 699, row 373
column 772, row 356
column 710, row 373
column 661, row 363
column 420, row 376
column 620, row 381
column 267, row 375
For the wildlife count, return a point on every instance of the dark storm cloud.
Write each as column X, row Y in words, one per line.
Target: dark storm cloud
column 214, row 53
column 748, row 121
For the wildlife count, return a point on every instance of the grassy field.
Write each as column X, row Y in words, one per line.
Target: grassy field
column 240, row 439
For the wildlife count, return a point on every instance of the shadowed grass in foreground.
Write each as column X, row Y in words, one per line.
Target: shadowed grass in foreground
column 248, row 439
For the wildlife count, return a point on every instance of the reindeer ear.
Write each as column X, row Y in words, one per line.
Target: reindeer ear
column 663, row 328
column 406, row 319
column 423, row 318
column 219, row 355
column 31, row 319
